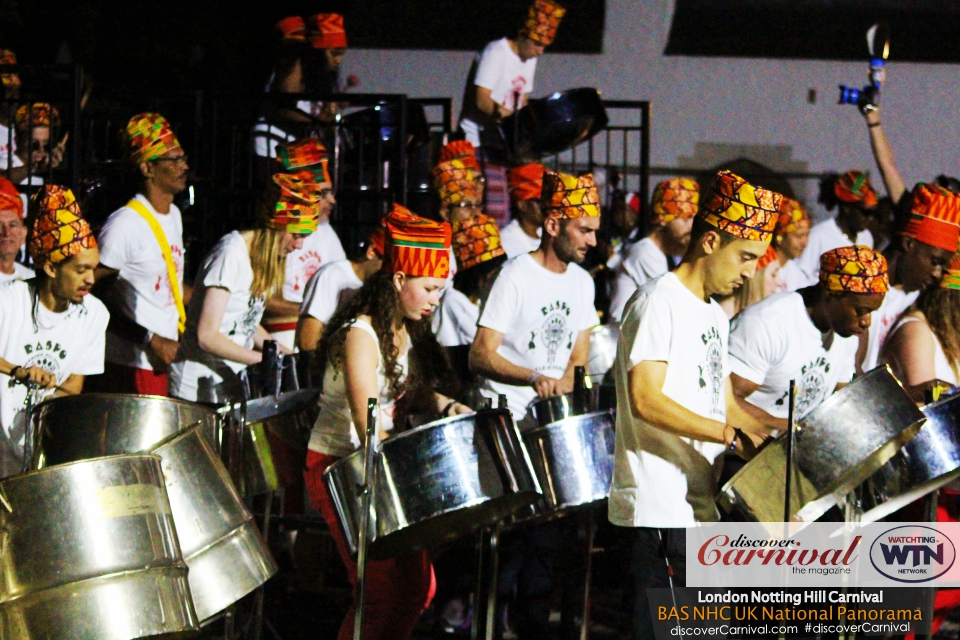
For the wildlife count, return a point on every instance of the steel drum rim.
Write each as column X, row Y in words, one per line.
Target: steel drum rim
column 837, row 396
column 556, row 423
column 143, row 454
column 142, row 396
column 106, row 577
column 423, row 428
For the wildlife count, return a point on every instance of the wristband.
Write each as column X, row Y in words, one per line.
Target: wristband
column 874, row 124
column 147, row 338
column 533, row 377
column 446, row 409
column 13, row 372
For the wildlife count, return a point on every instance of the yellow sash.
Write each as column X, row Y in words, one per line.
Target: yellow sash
column 167, row 257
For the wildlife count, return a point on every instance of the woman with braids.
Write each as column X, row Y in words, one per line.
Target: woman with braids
column 223, row 331
column 379, row 345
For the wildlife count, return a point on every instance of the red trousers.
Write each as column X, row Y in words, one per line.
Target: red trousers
column 117, row 378
column 398, row 590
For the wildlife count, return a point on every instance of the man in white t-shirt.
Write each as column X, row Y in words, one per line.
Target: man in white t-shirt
column 280, row 318
column 51, row 331
column 522, row 234
column 917, row 258
column 675, row 407
column 140, row 277
column 332, row 286
column 10, row 164
column 672, row 208
column 13, row 233
column 854, row 198
column 809, row 336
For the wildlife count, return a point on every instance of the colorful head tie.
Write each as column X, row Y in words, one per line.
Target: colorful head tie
column 9, row 80
column 854, row 187
column 739, row 208
column 416, row 246
column 568, row 197
column 934, row 217
column 292, row 28
column 377, row 240
column 41, row 114
column 792, row 218
column 526, row 181
column 460, row 150
column 149, row 136
column 58, row 230
column 674, row 198
column 307, row 156
column 767, row 258
column 10, row 199
column 951, row 275
column 476, row 240
column 543, row 18
column 298, row 204
column 455, row 180
column 325, row 31
column 856, row 269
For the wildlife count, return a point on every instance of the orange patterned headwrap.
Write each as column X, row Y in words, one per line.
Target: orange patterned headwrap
column 542, row 22
column 567, row 197
column 526, row 181
column 9, row 79
column 854, row 187
column 460, row 150
column 793, row 217
column 292, row 28
column 306, row 157
column 377, row 239
column 326, row 31
column 767, row 258
column 455, row 180
column 58, row 230
column 934, row 217
column 674, row 198
column 856, row 269
column 476, row 240
column 10, row 199
column 298, row 204
column 951, row 275
column 416, row 246
column 741, row 209
column 42, row 114
column 149, row 136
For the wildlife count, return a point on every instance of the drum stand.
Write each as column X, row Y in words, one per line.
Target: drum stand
column 365, row 492
column 488, row 573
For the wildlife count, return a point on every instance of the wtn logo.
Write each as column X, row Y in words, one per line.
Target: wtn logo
column 912, row 554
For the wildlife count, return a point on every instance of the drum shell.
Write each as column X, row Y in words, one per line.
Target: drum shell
column 436, row 482
column 837, row 446
column 97, row 557
column 555, row 408
column 555, row 123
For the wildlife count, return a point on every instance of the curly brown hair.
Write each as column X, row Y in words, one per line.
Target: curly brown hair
column 941, row 307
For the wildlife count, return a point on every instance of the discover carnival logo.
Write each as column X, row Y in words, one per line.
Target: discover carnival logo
column 912, row 554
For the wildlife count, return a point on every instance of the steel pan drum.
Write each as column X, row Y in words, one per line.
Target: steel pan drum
column 603, row 350
column 928, row 462
column 837, row 446
column 90, row 551
column 555, row 408
column 436, row 482
column 556, row 123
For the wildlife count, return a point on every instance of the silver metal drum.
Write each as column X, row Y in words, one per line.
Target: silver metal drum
column 837, row 446
column 102, row 424
column 573, row 460
column 930, row 461
column 436, row 482
column 556, row 408
column 90, row 551
column 221, row 545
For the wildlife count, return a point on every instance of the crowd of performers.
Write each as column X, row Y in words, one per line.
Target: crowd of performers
column 729, row 296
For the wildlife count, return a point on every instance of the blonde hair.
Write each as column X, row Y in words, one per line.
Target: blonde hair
column 269, row 267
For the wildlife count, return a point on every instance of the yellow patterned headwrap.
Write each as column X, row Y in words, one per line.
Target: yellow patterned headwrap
column 476, row 240
column 9, row 80
column 741, row 209
column 674, row 198
column 455, row 180
column 856, row 269
column 58, row 230
column 793, row 217
column 567, row 197
column 149, row 136
column 543, row 19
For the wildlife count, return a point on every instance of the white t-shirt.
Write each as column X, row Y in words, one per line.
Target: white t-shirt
column 792, row 277
column 331, row 286
column 455, row 322
column 882, row 320
column 8, row 149
column 128, row 245
column 320, row 247
column 504, row 73
column 515, row 240
column 642, row 262
column 66, row 343
column 826, row 236
column 661, row 479
column 197, row 375
column 774, row 341
column 20, row 272
column 540, row 313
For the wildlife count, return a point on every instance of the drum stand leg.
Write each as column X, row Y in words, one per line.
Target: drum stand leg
column 588, row 573
column 366, row 512
column 485, row 598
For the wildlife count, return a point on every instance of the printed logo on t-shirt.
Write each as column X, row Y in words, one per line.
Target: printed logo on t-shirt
column 46, row 355
column 553, row 331
column 247, row 324
column 162, row 285
column 311, row 262
column 711, row 369
column 519, row 84
column 812, row 387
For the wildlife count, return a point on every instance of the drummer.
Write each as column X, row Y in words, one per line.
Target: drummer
column 535, row 325
column 522, row 234
column 458, row 185
column 51, row 332
column 306, row 158
column 389, row 309
column 675, row 412
column 140, row 276
column 808, row 335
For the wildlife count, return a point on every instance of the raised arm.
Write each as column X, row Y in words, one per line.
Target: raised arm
column 883, row 154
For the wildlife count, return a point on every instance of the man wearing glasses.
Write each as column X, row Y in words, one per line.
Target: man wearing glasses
column 140, row 276
column 13, row 233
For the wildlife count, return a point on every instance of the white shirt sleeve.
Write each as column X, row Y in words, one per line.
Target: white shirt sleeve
column 116, row 240
column 224, row 269
column 590, row 317
column 490, row 67
column 91, row 361
column 654, row 332
column 752, row 348
column 501, row 312
column 319, row 301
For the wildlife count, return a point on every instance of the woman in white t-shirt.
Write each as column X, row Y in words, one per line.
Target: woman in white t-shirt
column 223, row 332
column 368, row 349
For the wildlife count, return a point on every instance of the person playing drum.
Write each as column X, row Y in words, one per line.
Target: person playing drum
column 675, row 407
column 369, row 349
column 522, row 234
column 52, row 333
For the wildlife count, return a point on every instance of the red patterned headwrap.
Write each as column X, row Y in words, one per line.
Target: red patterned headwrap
column 568, row 197
column 298, row 204
column 149, row 136
column 934, row 217
column 455, row 180
column 793, row 217
column 58, row 230
column 9, row 79
column 526, row 181
column 292, row 28
column 741, row 209
column 10, row 199
column 854, row 187
column 951, row 275
column 857, row 269
column 377, row 240
column 674, row 198
column 416, row 246
column 43, row 115
column 475, row 241
column 543, row 19
column 460, row 150
column 326, row 31
column 306, row 157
